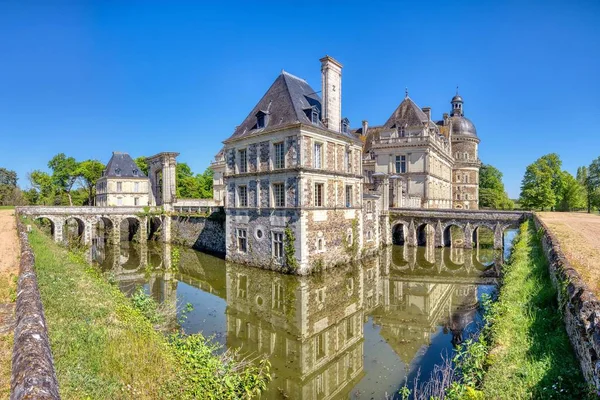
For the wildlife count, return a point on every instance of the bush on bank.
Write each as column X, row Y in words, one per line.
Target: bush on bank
column 105, row 348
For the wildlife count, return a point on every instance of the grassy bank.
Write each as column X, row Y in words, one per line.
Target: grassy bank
column 105, row 348
column 530, row 356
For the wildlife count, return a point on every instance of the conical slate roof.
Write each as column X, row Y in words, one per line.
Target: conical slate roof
column 289, row 100
column 407, row 114
column 122, row 165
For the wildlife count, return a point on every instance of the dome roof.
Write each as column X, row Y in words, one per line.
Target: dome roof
column 462, row 126
column 457, row 98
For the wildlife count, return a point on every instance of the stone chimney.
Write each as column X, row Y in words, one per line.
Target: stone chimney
column 331, row 90
column 427, row 110
column 365, row 127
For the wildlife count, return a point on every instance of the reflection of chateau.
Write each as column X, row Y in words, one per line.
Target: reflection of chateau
column 311, row 328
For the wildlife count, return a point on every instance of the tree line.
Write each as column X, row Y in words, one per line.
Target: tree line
column 72, row 182
column 545, row 186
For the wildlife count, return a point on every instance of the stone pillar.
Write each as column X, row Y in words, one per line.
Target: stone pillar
column 165, row 195
column 59, row 227
column 411, row 235
column 439, row 235
column 498, row 237
column 116, row 231
column 143, row 254
column 143, row 232
column 166, row 229
column 88, row 229
column 468, row 236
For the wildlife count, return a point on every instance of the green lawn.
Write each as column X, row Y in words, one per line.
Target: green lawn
column 7, row 207
column 531, row 356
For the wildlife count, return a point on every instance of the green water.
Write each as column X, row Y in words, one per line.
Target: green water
column 360, row 331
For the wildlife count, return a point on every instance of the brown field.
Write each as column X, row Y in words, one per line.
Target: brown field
column 9, row 270
column 579, row 236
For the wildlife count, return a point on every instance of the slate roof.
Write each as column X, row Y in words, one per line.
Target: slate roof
column 289, row 100
column 122, row 165
column 407, row 114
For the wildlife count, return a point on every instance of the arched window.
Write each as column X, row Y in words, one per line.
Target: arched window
column 320, row 244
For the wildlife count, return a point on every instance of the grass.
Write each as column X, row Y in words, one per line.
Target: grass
column 531, row 356
column 104, row 348
column 6, row 343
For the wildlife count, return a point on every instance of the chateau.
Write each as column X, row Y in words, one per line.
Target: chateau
column 294, row 173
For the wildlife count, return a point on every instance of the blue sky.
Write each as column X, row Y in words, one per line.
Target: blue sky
column 87, row 78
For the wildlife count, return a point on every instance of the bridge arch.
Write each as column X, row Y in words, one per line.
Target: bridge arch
column 50, row 225
column 131, row 226
column 400, row 233
column 154, row 227
column 74, row 228
column 425, row 234
column 454, row 235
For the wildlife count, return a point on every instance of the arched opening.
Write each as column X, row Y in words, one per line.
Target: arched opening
column 154, row 228
column 483, row 237
column 46, row 225
column 484, row 258
column 426, row 256
column 454, row 236
column 129, row 257
column 104, row 230
column 399, row 256
column 454, row 258
column 73, row 230
column 425, row 235
column 130, row 228
column 399, row 234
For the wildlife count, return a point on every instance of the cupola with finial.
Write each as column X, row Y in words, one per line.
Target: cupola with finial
column 457, row 105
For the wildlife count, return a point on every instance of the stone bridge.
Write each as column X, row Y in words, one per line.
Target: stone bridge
column 418, row 227
column 139, row 221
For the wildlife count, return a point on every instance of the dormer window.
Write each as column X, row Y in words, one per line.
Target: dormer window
column 118, row 171
column 135, row 172
column 314, row 115
column 345, row 125
column 261, row 119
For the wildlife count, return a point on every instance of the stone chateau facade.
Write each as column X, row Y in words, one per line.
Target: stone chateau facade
column 294, row 168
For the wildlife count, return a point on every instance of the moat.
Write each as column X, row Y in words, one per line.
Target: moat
column 359, row 331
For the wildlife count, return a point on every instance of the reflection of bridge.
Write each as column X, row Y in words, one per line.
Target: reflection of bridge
column 112, row 219
column 419, row 227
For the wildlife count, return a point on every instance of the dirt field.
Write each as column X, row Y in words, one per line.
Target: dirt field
column 579, row 235
column 9, row 269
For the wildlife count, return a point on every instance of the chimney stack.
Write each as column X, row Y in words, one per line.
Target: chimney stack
column 365, row 127
column 427, row 110
column 331, row 86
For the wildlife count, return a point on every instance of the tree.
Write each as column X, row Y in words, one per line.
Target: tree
column 205, row 181
column 90, row 171
column 142, row 164
column 8, row 177
column 536, row 186
column 10, row 194
column 573, row 194
column 65, row 171
column 42, row 183
column 491, row 189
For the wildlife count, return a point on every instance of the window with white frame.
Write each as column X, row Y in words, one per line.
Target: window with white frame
column 243, row 195
column 278, row 245
column 242, row 239
column 119, row 186
column 243, row 161
column 279, row 151
column 279, row 194
column 400, row 164
column 348, row 195
column 319, row 192
column 318, row 155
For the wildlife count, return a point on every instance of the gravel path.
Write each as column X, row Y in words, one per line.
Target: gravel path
column 579, row 236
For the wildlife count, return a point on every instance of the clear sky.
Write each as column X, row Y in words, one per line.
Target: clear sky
column 87, row 78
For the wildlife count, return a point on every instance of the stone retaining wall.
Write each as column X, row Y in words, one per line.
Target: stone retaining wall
column 200, row 233
column 580, row 307
column 33, row 375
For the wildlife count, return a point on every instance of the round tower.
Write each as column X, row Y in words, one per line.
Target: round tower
column 465, row 142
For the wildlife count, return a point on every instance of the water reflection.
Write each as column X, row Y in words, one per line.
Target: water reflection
column 356, row 331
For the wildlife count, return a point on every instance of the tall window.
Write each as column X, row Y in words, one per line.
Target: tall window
column 319, row 189
column 400, row 164
column 279, row 155
column 348, row 196
column 278, row 245
column 242, row 287
column 260, row 120
column 243, row 195
column 136, row 186
column 243, row 161
column 119, row 186
column 318, row 155
column 347, row 161
column 242, row 237
column 136, row 201
column 314, row 116
column 279, row 194
column 135, row 172
column 320, row 346
column 278, row 296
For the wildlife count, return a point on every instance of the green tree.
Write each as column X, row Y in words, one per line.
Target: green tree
column 10, row 194
column 8, row 177
column 206, row 183
column 42, row 183
column 90, row 171
column 536, row 186
column 573, row 194
column 142, row 164
column 491, row 189
column 65, row 171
